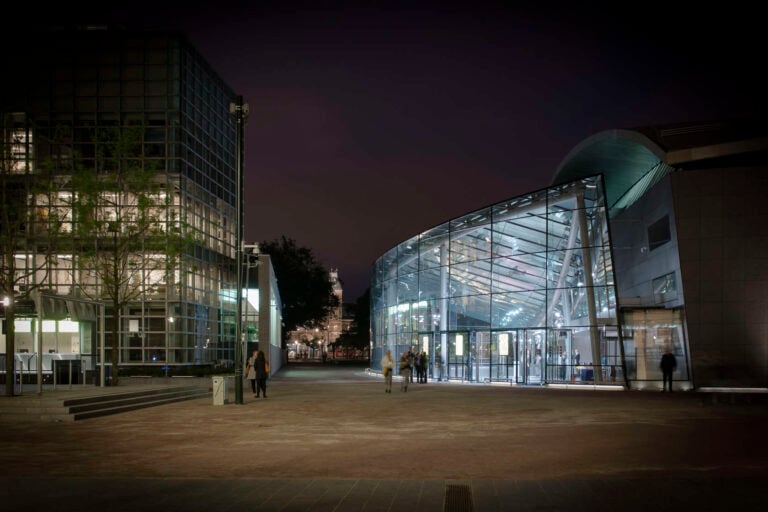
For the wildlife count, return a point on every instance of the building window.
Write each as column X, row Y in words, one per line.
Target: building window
column 665, row 288
column 659, row 233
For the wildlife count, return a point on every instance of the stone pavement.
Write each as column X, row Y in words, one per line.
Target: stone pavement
column 329, row 439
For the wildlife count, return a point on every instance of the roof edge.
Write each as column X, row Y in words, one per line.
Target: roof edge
column 614, row 134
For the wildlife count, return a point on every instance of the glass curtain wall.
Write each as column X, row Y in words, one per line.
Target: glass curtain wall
column 521, row 292
column 161, row 87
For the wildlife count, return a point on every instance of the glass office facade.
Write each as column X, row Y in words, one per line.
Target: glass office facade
column 157, row 84
column 519, row 292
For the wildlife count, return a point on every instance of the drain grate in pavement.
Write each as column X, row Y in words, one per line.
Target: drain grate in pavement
column 458, row 498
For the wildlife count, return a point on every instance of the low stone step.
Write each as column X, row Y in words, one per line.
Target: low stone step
column 132, row 407
column 84, row 407
column 126, row 400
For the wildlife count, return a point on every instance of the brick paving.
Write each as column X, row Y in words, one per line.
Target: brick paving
column 329, row 438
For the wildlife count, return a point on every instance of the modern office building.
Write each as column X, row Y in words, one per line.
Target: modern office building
column 63, row 94
column 262, row 309
column 646, row 240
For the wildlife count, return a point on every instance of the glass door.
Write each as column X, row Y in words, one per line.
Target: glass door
column 429, row 342
column 504, row 356
column 459, row 360
column 531, row 354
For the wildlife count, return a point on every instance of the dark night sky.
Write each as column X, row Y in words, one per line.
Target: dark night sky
column 371, row 124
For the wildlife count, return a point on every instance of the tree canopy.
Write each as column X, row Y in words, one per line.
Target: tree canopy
column 305, row 287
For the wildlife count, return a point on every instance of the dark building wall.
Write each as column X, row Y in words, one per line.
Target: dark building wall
column 722, row 215
column 638, row 262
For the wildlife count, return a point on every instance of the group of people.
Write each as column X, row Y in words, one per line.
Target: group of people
column 257, row 371
column 410, row 361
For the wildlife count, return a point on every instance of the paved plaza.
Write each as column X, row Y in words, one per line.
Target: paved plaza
column 328, row 438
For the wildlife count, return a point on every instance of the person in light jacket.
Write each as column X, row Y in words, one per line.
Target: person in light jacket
column 250, row 371
column 387, row 366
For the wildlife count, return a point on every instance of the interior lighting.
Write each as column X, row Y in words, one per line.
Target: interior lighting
column 504, row 344
column 69, row 326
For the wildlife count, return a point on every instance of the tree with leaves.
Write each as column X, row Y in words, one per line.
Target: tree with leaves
column 128, row 236
column 305, row 287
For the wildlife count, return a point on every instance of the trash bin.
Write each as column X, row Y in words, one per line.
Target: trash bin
column 69, row 371
column 219, row 390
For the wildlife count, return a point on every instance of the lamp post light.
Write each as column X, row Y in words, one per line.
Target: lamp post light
column 240, row 111
column 171, row 320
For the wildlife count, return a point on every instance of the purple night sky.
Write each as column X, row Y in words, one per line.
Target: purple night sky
column 369, row 125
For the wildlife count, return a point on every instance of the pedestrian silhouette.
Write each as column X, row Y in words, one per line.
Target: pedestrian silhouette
column 668, row 364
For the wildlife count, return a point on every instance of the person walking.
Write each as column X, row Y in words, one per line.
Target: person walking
column 411, row 362
column 668, row 364
column 250, row 371
column 405, row 371
column 387, row 364
column 261, row 374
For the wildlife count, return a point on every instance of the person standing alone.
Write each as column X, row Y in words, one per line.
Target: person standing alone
column 261, row 374
column 668, row 364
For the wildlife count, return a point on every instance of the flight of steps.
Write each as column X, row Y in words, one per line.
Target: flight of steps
column 62, row 408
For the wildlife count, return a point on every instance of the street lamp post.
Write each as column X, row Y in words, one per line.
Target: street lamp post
column 240, row 111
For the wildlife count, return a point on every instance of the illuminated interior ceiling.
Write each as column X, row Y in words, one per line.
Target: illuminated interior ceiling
column 518, row 250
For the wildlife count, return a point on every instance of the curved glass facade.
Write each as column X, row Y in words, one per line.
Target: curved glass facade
column 519, row 292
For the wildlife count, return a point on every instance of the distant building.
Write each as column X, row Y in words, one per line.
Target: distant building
column 347, row 317
column 645, row 239
column 313, row 342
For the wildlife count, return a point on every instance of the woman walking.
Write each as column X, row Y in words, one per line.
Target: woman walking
column 387, row 364
column 250, row 371
column 405, row 371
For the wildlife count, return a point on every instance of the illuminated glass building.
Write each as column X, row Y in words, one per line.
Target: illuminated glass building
column 86, row 80
column 645, row 240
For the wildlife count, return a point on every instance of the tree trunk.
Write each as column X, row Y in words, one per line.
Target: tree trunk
column 115, row 353
column 10, row 347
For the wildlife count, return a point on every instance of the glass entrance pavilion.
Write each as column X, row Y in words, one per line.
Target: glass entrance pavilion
column 518, row 292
